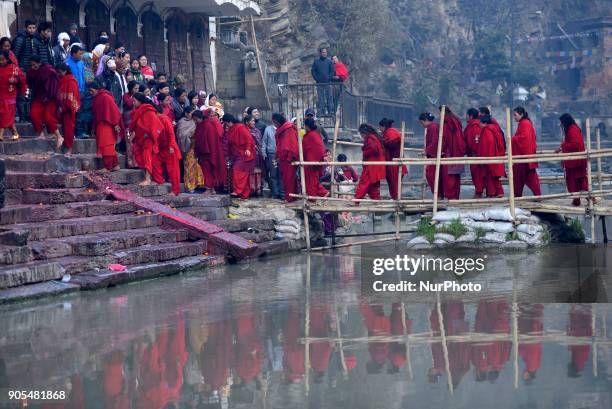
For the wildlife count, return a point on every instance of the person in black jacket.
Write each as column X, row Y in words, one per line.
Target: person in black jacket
column 42, row 43
column 23, row 47
column 322, row 71
column 73, row 32
column 62, row 50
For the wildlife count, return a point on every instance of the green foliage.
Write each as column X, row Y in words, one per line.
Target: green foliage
column 426, row 229
column 480, row 233
column 577, row 227
column 527, row 75
column 455, row 228
column 392, row 86
column 491, row 55
column 510, row 236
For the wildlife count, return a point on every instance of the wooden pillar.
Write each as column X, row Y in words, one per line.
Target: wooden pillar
column 303, row 185
column 399, row 183
column 438, row 156
column 510, row 170
column 449, row 375
column 590, row 179
column 333, row 186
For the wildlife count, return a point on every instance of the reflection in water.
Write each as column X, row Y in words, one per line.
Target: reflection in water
column 278, row 335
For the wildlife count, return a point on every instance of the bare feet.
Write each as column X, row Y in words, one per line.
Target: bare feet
column 59, row 141
column 116, row 168
column 145, row 183
column 68, row 152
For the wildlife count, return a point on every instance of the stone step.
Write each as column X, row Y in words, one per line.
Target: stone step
column 26, row 130
column 39, row 213
column 15, row 254
column 38, row 290
column 46, row 163
column 39, row 145
column 87, row 225
column 25, row 180
column 206, row 213
column 236, row 225
column 127, row 176
column 151, row 190
column 59, row 196
column 104, row 243
column 32, row 272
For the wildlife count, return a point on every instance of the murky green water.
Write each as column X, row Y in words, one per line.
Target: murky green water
column 280, row 335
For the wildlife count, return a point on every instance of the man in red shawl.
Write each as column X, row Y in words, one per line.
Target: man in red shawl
column 575, row 170
column 580, row 317
column 489, row 358
column 208, row 147
column 392, row 140
column 43, row 82
column 168, row 156
column 431, row 151
column 472, row 138
column 12, row 81
column 454, row 146
column 371, row 175
column 107, row 125
column 314, row 151
column 491, row 145
column 145, row 129
column 530, row 322
column 287, row 151
column 242, row 152
column 69, row 102
column 524, row 143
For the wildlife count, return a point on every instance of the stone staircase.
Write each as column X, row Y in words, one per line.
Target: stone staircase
column 56, row 223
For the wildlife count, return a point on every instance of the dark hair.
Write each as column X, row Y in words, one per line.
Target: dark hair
column 4, row 40
column 368, row 130
column 247, row 118
column 426, row 116
column 189, row 109
column 566, row 121
column 192, row 95
column 43, row 25
column 178, row 92
column 6, row 55
column 230, row 118
column 122, row 54
column 30, row 23
column 198, row 114
column 95, row 84
column 310, row 123
column 342, row 157
column 521, row 111
column 160, row 74
column 140, row 97
column 63, row 67
column 151, row 83
column 163, row 85
column 132, row 84
column 279, row 118
column 119, row 44
column 484, row 111
column 447, row 110
column 36, row 58
column 251, row 109
column 143, row 88
column 75, row 49
column 322, row 48
column 103, row 31
column 485, row 119
column 212, row 95
column 473, row 113
column 386, row 122
column 162, row 97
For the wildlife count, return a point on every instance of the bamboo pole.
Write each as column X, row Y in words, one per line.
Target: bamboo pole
column 340, row 340
column 444, row 345
column 598, row 142
column 399, row 183
column 438, row 157
column 510, row 169
column 307, row 329
column 357, row 243
column 594, row 334
column 303, row 184
column 334, row 143
column 591, row 198
column 407, row 343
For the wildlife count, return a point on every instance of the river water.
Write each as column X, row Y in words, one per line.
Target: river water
column 296, row 332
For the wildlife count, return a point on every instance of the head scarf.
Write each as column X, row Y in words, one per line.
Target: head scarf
column 61, row 37
column 88, row 64
column 98, row 51
column 101, row 65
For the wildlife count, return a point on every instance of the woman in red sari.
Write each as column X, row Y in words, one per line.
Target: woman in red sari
column 43, row 82
column 12, row 81
column 314, row 151
column 371, row 175
column 454, row 146
column 169, row 156
column 524, row 143
column 242, row 152
column 575, row 170
column 107, row 125
column 145, row 130
column 431, row 151
column 392, row 140
column 69, row 102
column 491, row 145
column 5, row 45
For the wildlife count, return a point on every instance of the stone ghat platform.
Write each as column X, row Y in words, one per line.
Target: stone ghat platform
column 64, row 223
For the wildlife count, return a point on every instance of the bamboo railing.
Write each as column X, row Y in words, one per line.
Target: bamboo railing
column 335, row 204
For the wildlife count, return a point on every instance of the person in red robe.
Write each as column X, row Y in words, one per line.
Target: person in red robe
column 491, row 145
column 242, row 153
column 168, row 157
column 116, row 392
column 341, row 72
column 489, row 358
column 107, row 125
column 524, row 143
column 472, row 138
column 175, row 356
column 392, row 140
column 454, row 146
column 287, row 151
column 580, row 316
column 208, row 149
column 431, row 151
column 145, row 130
column 453, row 315
column 314, row 151
column 293, row 349
column 249, row 351
column 149, row 373
column 320, row 327
column 530, row 322
column 12, row 81
column 575, row 170
column 397, row 350
column 216, row 355
column 69, row 102
column 378, row 325
column 371, row 175
column 5, row 45
column 43, row 83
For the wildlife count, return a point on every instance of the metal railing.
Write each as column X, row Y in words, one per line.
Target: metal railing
column 294, row 99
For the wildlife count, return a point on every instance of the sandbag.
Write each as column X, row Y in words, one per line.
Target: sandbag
column 499, row 227
column 417, row 241
column 447, row 216
column 289, row 222
column 494, row 237
column 530, row 229
column 287, row 229
column 449, row 238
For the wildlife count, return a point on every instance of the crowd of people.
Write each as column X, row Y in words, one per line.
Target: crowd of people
column 185, row 137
